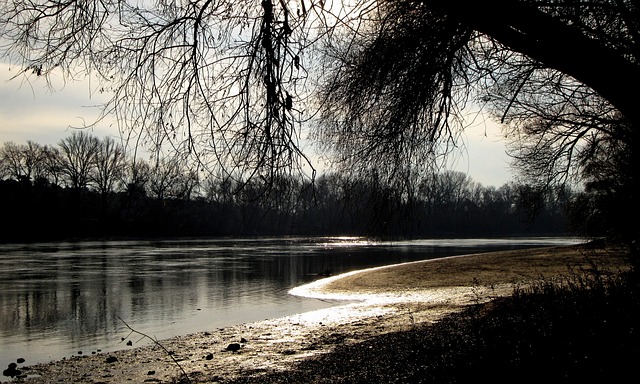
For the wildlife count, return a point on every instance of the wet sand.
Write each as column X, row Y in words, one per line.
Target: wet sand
column 382, row 300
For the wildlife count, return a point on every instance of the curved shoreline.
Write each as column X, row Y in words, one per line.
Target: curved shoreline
column 449, row 277
column 491, row 268
column 394, row 298
column 337, row 288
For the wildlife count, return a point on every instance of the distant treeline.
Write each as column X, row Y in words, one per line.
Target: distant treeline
column 88, row 188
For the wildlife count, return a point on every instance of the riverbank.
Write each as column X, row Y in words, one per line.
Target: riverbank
column 396, row 299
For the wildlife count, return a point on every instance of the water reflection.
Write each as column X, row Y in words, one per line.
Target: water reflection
column 59, row 298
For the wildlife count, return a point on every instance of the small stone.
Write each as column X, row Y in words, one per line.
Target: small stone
column 209, row 356
column 151, row 373
column 79, row 352
column 233, row 347
column 129, row 343
column 20, row 360
column 12, row 370
column 243, row 340
column 111, row 359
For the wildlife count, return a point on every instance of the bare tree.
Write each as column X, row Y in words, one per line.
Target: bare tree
column 218, row 189
column 12, row 161
column 136, row 177
column 187, row 185
column 78, row 153
column 109, row 160
column 23, row 162
column 166, row 179
column 52, row 165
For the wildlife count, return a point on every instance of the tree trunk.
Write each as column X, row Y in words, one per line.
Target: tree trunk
column 525, row 29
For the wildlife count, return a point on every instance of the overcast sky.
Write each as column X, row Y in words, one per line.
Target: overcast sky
column 30, row 111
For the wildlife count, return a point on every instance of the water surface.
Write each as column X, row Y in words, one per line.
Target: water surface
column 57, row 299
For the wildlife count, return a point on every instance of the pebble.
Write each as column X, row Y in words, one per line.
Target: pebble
column 12, row 370
column 111, row 359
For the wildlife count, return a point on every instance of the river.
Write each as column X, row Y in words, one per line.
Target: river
column 65, row 298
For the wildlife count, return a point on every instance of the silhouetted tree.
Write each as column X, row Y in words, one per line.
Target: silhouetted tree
column 51, row 165
column 136, row 175
column 611, row 187
column 22, row 162
column 108, row 161
column 161, row 178
column 11, row 161
column 77, row 158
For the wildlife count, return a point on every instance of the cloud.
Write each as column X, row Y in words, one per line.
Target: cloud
column 31, row 109
column 483, row 156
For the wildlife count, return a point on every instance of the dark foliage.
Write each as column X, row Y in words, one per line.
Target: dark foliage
column 610, row 172
column 448, row 204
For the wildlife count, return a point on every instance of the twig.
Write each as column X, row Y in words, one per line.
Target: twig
column 156, row 342
column 410, row 313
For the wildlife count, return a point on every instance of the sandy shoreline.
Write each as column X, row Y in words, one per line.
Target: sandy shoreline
column 390, row 298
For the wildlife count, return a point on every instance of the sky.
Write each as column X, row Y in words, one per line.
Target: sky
column 29, row 110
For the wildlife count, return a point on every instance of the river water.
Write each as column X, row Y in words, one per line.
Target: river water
column 57, row 299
